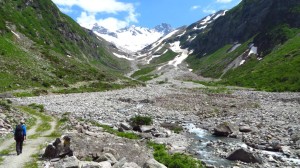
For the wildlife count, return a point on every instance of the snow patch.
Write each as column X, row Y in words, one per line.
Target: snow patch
column 162, row 39
column 183, row 54
column 253, row 50
column 122, row 56
column 242, row 62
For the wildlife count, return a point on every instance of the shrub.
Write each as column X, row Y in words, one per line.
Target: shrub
column 141, row 120
column 39, row 107
column 176, row 160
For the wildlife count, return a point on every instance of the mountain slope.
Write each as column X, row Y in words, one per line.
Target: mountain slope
column 41, row 47
column 255, row 36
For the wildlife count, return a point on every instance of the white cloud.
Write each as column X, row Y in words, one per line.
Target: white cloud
column 210, row 11
column 224, row 1
column 66, row 9
column 93, row 7
column 195, row 7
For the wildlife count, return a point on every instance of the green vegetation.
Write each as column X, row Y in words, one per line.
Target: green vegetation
column 93, row 87
column 45, row 119
column 278, row 71
column 6, row 104
column 33, row 163
column 214, row 64
column 176, row 160
column 141, row 120
column 128, row 135
column 143, row 71
column 39, row 107
column 216, row 90
column 40, row 49
column 168, row 56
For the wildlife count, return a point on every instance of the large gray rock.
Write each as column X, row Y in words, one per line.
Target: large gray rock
column 107, row 157
column 125, row 126
column 245, row 128
column 120, row 163
column 130, row 165
column 69, row 162
column 244, row 156
column 224, row 129
column 146, row 129
column 86, row 164
column 152, row 163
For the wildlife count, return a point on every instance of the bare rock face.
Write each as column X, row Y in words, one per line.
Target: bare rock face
column 244, row 156
column 224, row 129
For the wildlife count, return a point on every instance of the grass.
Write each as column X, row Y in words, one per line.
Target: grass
column 56, row 51
column 33, row 163
column 168, row 56
column 176, row 160
column 143, row 71
column 45, row 119
column 128, row 135
column 279, row 71
column 216, row 90
column 213, row 65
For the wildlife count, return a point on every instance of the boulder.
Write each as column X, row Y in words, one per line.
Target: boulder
column 69, row 162
column 125, row 126
column 152, row 163
column 107, row 157
column 224, row 129
column 105, row 164
column 245, row 128
column 146, row 129
column 86, row 164
column 244, row 156
column 130, row 165
column 120, row 163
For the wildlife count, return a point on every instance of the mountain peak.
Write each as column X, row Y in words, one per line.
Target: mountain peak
column 133, row 37
column 164, row 28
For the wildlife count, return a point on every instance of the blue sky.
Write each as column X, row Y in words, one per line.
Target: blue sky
column 116, row 14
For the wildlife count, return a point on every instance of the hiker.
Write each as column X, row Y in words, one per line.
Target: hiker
column 20, row 136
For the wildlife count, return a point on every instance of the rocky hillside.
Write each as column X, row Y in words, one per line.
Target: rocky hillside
column 41, row 47
column 255, row 44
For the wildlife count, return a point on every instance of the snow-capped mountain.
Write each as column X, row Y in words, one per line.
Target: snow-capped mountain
column 178, row 41
column 133, row 38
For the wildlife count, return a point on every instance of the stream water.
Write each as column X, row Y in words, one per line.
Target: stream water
column 205, row 148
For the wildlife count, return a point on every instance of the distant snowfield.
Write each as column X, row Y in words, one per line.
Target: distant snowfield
column 133, row 40
column 182, row 54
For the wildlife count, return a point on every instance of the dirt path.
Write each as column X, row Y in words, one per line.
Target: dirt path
column 30, row 147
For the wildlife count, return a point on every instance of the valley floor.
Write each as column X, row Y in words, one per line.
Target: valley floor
column 272, row 117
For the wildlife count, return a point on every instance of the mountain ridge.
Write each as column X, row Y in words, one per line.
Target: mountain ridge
column 133, row 38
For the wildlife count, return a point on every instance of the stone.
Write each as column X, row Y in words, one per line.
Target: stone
column 110, row 150
column 147, row 129
column 245, row 128
column 86, row 164
column 224, row 129
column 125, row 126
column 120, row 163
column 107, row 157
column 130, row 165
column 105, row 164
column 244, row 156
column 69, row 162
column 152, row 163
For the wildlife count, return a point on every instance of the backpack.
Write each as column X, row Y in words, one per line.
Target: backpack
column 19, row 132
